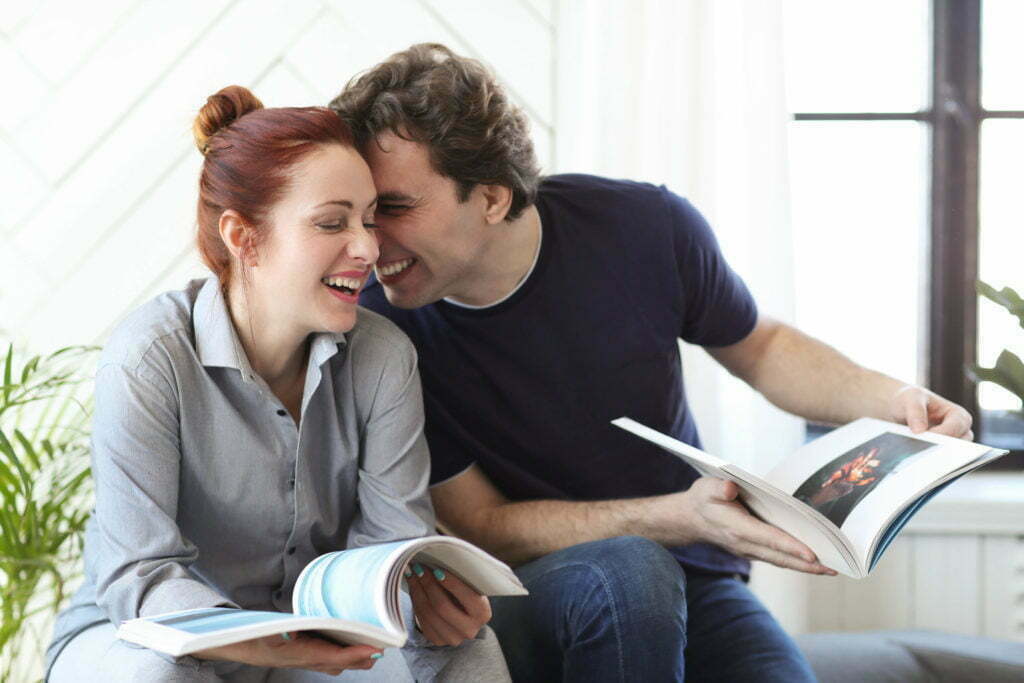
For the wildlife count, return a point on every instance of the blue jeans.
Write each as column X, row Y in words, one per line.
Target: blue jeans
column 622, row 609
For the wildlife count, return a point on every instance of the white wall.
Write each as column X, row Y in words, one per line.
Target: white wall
column 96, row 157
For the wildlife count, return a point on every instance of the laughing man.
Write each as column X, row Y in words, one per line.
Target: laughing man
column 541, row 309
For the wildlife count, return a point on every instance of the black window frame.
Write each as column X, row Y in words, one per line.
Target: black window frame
column 955, row 116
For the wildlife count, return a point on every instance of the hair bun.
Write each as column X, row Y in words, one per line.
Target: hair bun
column 221, row 108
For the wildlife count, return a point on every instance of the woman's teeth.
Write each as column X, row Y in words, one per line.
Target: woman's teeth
column 395, row 267
column 345, row 284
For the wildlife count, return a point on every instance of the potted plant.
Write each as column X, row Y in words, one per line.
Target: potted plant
column 45, row 498
column 1008, row 372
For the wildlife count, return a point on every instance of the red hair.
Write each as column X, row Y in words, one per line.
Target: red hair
column 249, row 151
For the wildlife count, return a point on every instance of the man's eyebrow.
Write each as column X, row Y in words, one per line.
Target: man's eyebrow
column 394, row 197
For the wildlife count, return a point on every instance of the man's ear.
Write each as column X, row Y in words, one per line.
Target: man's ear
column 237, row 236
column 497, row 200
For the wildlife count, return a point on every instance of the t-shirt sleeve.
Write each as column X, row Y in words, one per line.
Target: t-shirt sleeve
column 718, row 309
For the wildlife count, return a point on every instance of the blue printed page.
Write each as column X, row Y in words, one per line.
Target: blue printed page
column 346, row 585
column 210, row 619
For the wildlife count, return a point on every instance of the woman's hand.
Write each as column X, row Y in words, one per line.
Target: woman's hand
column 447, row 610
column 299, row 651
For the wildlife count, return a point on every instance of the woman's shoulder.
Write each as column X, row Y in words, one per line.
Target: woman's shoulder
column 376, row 342
column 373, row 328
column 161, row 327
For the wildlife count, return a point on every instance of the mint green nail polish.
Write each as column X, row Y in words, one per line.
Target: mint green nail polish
column 407, row 573
column 439, row 575
column 376, row 655
column 418, row 568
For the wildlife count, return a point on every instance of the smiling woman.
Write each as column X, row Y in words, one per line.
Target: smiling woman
column 258, row 419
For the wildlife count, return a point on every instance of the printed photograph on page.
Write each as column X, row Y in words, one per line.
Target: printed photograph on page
column 838, row 487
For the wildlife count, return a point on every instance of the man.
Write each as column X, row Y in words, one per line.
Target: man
column 543, row 308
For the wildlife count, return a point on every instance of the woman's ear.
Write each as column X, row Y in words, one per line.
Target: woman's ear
column 237, row 237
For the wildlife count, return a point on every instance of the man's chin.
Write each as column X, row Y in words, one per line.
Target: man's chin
column 401, row 297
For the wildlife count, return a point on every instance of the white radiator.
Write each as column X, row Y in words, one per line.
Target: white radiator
column 958, row 567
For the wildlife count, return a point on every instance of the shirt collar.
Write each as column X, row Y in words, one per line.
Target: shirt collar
column 217, row 343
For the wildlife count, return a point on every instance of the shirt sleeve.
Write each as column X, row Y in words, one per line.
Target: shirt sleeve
column 394, row 464
column 141, row 564
column 718, row 308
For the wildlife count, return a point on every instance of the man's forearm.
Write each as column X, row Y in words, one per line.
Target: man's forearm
column 522, row 531
column 811, row 379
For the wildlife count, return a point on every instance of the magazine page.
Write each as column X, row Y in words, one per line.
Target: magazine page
column 766, row 501
column 350, row 584
column 859, row 476
column 486, row 574
column 187, row 631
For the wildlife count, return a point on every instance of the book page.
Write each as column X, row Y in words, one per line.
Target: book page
column 859, row 476
column 348, row 584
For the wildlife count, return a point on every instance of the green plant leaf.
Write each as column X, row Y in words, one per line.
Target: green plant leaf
column 1005, row 297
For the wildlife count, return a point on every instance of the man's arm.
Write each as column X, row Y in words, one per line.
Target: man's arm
column 808, row 378
column 470, row 506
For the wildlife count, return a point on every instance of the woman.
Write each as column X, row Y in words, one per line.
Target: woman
column 248, row 424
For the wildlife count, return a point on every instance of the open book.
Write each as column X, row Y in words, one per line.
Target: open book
column 847, row 494
column 349, row 596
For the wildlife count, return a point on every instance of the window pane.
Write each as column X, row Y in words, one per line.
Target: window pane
column 866, row 56
column 1002, row 53
column 1000, row 247
column 859, row 223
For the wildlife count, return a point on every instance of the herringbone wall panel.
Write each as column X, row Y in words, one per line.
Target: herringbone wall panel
column 97, row 164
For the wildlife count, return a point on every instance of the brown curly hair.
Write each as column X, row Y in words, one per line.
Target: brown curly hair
column 453, row 105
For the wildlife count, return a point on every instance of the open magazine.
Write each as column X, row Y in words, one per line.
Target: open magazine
column 847, row 494
column 349, row 596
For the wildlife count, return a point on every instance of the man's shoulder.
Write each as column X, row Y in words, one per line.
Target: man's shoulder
column 599, row 187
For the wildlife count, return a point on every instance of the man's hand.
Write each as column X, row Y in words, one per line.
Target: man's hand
column 299, row 651
column 714, row 515
column 922, row 410
column 447, row 610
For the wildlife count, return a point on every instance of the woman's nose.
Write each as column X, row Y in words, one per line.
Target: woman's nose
column 364, row 247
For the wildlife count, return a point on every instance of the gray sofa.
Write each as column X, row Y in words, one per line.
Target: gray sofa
column 912, row 657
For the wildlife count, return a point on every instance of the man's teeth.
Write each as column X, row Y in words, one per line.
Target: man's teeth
column 346, row 282
column 394, row 268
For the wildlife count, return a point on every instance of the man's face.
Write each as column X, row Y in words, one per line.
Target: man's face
column 430, row 243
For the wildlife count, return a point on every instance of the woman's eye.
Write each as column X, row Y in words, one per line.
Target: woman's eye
column 330, row 226
column 370, row 224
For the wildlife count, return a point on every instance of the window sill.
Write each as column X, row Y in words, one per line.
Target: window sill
column 980, row 503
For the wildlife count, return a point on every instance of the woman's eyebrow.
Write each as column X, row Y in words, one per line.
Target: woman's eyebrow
column 341, row 202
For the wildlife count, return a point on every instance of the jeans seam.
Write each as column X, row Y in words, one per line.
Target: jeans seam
column 611, row 601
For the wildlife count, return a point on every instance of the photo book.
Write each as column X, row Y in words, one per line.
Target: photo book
column 349, row 596
column 847, row 494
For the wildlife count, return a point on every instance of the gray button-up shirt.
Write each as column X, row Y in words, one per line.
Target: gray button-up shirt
column 207, row 493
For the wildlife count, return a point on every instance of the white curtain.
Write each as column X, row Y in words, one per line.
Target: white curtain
column 690, row 93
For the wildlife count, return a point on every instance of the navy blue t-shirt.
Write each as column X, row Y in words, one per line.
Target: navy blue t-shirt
column 526, row 388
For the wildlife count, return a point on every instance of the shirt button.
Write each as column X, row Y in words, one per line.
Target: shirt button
column 291, row 551
column 291, row 483
column 282, row 412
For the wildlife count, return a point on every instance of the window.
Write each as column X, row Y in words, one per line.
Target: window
column 907, row 157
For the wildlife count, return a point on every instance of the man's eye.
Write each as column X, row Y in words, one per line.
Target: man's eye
column 330, row 226
column 391, row 209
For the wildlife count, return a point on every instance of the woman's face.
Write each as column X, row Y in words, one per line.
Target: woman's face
column 319, row 248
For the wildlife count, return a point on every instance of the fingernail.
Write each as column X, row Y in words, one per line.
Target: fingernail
column 418, row 569
column 286, row 636
column 439, row 575
column 407, row 573
column 376, row 655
